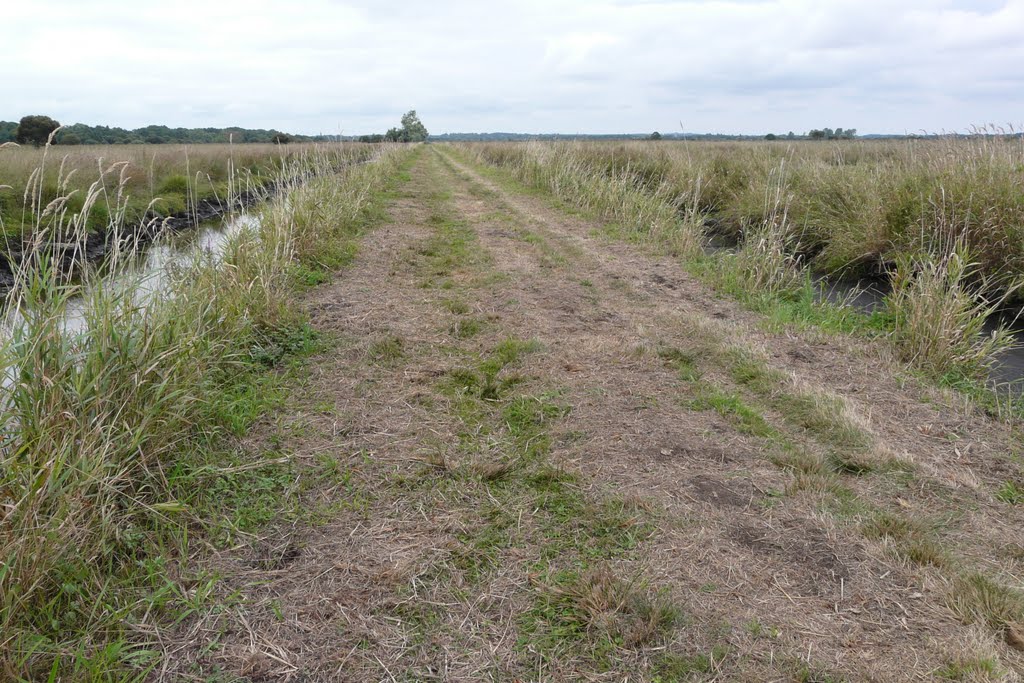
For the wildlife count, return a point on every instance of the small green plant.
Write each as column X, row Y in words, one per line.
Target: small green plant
column 387, row 350
column 971, row 669
column 466, row 328
column 1011, row 493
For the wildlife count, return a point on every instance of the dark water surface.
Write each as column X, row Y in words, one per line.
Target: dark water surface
column 869, row 294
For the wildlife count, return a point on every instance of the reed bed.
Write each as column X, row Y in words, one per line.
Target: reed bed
column 100, row 420
column 158, row 180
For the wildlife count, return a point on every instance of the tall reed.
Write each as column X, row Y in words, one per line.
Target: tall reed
column 940, row 307
column 767, row 262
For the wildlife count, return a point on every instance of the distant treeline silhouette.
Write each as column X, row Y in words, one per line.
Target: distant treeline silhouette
column 82, row 134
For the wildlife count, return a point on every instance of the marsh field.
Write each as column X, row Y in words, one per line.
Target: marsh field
column 513, row 412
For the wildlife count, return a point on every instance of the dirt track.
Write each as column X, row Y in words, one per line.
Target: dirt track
column 554, row 456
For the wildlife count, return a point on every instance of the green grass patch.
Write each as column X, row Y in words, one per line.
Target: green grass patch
column 910, row 538
column 456, row 306
column 675, row 667
column 1011, row 493
column 976, row 598
column 685, row 362
column 466, row 328
column 387, row 351
column 971, row 669
column 730, row 405
column 594, row 614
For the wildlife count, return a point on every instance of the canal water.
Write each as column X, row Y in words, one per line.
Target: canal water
column 174, row 250
column 868, row 295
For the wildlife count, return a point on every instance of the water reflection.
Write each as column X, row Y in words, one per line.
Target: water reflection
column 175, row 251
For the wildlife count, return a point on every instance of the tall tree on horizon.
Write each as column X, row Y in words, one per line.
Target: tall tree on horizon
column 35, row 129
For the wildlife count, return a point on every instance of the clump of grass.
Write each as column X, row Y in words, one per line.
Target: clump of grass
column 466, row 328
column 767, row 263
column 1011, row 493
column 685, row 362
column 855, row 463
column 456, row 306
column 971, row 669
column 387, row 350
column 910, row 538
column 975, row 598
column 800, row 461
column 674, row 666
column 816, row 483
column 939, row 312
column 601, row 610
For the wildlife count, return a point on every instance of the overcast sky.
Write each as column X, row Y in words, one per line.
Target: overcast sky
column 572, row 66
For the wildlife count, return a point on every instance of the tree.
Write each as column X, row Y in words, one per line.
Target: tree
column 655, row 136
column 816, row 134
column 413, row 129
column 7, row 131
column 35, row 129
column 771, row 136
column 281, row 138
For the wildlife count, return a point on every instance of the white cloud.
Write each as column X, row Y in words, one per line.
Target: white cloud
column 560, row 65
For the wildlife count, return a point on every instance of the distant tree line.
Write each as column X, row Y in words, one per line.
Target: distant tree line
column 469, row 137
column 817, row 134
column 30, row 131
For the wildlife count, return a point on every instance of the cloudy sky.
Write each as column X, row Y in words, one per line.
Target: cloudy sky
column 569, row 66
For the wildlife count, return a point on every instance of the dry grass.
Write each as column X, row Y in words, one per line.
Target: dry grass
column 101, row 419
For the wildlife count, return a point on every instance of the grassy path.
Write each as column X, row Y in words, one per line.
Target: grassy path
column 536, row 454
